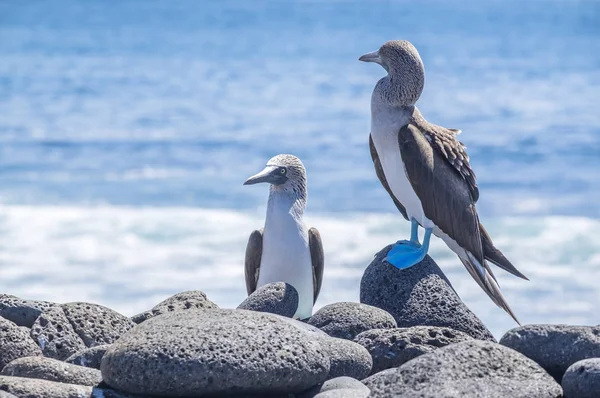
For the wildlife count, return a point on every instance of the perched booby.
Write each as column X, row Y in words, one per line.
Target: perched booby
column 426, row 171
column 285, row 250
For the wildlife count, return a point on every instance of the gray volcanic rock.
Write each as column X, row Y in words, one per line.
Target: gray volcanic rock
column 582, row 379
column 96, row 324
column 55, row 335
column 24, row 387
column 15, row 343
column 4, row 394
column 199, row 352
column 472, row 368
column 190, row 300
column 346, row 320
column 53, row 370
column 391, row 348
column 346, row 358
column 555, row 347
column 342, row 387
column 277, row 298
column 89, row 357
column 22, row 312
column 419, row 295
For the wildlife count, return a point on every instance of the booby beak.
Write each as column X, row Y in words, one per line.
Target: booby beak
column 371, row 57
column 267, row 175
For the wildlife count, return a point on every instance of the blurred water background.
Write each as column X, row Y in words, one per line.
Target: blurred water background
column 128, row 127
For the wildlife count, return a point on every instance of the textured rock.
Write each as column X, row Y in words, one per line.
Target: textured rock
column 472, row 368
column 89, row 357
column 15, row 343
column 53, row 370
column 390, row 348
column 95, row 324
column 346, row 320
column 341, row 387
column 346, row 358
column 200, row 352
column 555, row 347
column 419, row 295
column 277, row 298
column 55, row 335
column 582, row 379
column 23, row 387
column 191, row 300
column 4, row 394
column 22, row 312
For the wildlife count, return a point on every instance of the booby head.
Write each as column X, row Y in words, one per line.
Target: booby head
column 285, row 173
column 406, row 74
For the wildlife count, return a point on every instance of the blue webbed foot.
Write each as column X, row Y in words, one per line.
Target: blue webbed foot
column 404, row 254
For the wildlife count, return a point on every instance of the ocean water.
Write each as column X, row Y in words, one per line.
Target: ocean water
column 127, row 129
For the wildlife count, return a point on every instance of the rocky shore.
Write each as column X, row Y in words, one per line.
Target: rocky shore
column 411, row 336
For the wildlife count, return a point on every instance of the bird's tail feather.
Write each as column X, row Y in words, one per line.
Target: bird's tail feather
column 495, row 256
column 487, row 281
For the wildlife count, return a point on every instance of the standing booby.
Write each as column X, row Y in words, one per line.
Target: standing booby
column 285, row 250
column 426, row 171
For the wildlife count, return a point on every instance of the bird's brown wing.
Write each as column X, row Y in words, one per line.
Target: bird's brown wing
column 317, row 258
column 253, row 257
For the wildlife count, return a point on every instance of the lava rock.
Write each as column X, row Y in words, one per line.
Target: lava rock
column 55, row 335
column 22, row 312
column 15, row 343
column 52, row 370
column 24, row 387
column 95, row 324
column 346, row 320
column 277, row 298
column 190, row 300
column 582, row 379
column 391, row 348
column 346, row 358
column 472, row 368
column 555, row 347
column 198, row 352
column 339, row 387
column 417, row 296
column 4, row 394
column 89, row 357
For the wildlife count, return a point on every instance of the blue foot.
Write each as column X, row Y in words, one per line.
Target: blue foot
column 406, row 253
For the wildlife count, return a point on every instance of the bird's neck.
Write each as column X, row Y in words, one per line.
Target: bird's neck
column 391, row 92
column 283, row 205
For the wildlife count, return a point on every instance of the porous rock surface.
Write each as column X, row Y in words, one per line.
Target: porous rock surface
column 89, row 357
column 277, row 298
column 55, row 335
column 345, row 320
column 15, row 343
column 582, row 379
column 23, row 387
column 190, row 300
column 52, row 370
column 391, row 348
column 472, row 368
column 22, row 312
column 419, row 295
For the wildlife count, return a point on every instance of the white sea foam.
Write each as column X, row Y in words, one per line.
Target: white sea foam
column 131, row 258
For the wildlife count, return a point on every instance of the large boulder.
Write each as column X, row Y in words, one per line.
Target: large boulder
column 55, row 334
column 555, row 347
column 22, row 312
column 340, row 387
column 582, row 379
column 346, row 320
column 472, row 368
column 96, row 324
column 419, row 295
column 15, row 343
column 391, row 348
column 277, row 298
column 89, row 357
column 23, row 387
column 346, row 358
column 52, row 370
column 198, row 352
column 190, row 300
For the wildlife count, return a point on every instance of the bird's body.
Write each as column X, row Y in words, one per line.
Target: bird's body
column 285, row 250
column 426, row 171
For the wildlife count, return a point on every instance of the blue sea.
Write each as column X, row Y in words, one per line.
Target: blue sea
column 128, row 127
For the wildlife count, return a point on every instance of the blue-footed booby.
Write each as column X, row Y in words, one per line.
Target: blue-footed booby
column 285, row 250
column 426, row 171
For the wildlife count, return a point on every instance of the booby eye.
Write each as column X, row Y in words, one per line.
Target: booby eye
column 283, row 170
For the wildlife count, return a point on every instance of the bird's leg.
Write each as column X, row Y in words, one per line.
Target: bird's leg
column 404, row 254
